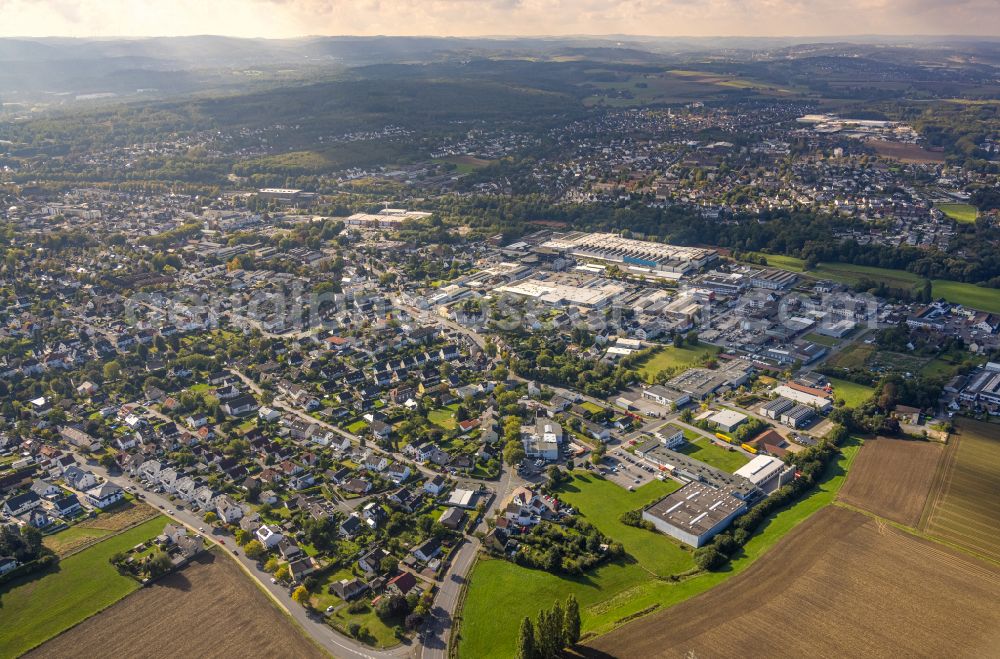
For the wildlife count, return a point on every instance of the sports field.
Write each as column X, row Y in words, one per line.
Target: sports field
column 841, row 585
column 614, row 593
column 37, row 607
column 964, row 504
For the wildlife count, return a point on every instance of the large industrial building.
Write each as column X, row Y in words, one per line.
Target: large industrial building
column 610, row 248
column 559, row 294
column 385, row 218
column 695, row 513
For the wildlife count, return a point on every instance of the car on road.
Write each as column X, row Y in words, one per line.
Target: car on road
column 273, row 580
column 222, row 542
column 201, row 529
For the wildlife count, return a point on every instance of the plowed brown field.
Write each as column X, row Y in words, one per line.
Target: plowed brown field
column 208, row 609
column 892, row 478
column 840, row 585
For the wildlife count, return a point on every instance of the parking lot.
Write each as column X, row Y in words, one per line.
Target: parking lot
column 627, row 470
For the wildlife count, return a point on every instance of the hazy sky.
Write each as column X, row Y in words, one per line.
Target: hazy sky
column 289, row 18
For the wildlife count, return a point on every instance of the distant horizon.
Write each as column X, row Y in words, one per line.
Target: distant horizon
column 820, row 38
column 660, row 19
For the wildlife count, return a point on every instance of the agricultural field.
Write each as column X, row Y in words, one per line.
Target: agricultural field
column 892, row 478
column 712, row 454
column 209, row 609
column 964, row 213
column 906, row 153
column 962, row 509
column 622, row 590
column 849, row 584
column 40, row 606
column 674, row 357
column 852, row 393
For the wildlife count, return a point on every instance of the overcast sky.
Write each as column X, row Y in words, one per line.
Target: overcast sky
column 290, row 18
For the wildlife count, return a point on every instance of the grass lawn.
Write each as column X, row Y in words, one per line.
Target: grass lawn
column 38, row 607
column 613, row 591
column 672, row 357
column 443, row 417
column 827, row 341
column 853, row 356
column 357, row 426
column 853, row 394
column 593, row 408
column 73, row 537
column 712, row 454
column 379, row 634
column 965, row 213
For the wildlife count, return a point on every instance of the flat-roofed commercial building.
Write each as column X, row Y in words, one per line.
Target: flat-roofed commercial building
column 695, row 513
column 766, row 472
column 560, row 295
column 803, row 398
column 611, row 248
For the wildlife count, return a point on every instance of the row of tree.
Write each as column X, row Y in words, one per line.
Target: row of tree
column 555, row 629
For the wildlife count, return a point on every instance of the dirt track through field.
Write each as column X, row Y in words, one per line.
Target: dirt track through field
column 840, row 585
column 209, row 609
column 892, row 478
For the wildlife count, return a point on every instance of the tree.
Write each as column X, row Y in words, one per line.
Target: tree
column 301, row 595
column 513, row 453
column 388, row 564
column 571, row 622
column 526, row 641
column 112, row 370
column 254, row 550
column 545, row 638
column 211, row 517
column 159, row 563
column 413, row 620
column 557, row 620
column 708, row 557
column 108, row 461
column 243, row 536
column 392, row 606
column 283, row 573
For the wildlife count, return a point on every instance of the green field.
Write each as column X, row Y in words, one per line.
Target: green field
column 615, row 591
column 965, row 213
column 854, row 394
column 963, row 510
column 37, row 607
column 673, row 357
column 443, row 417
column 969, row 295
column 822, row 340
column 712, row 454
